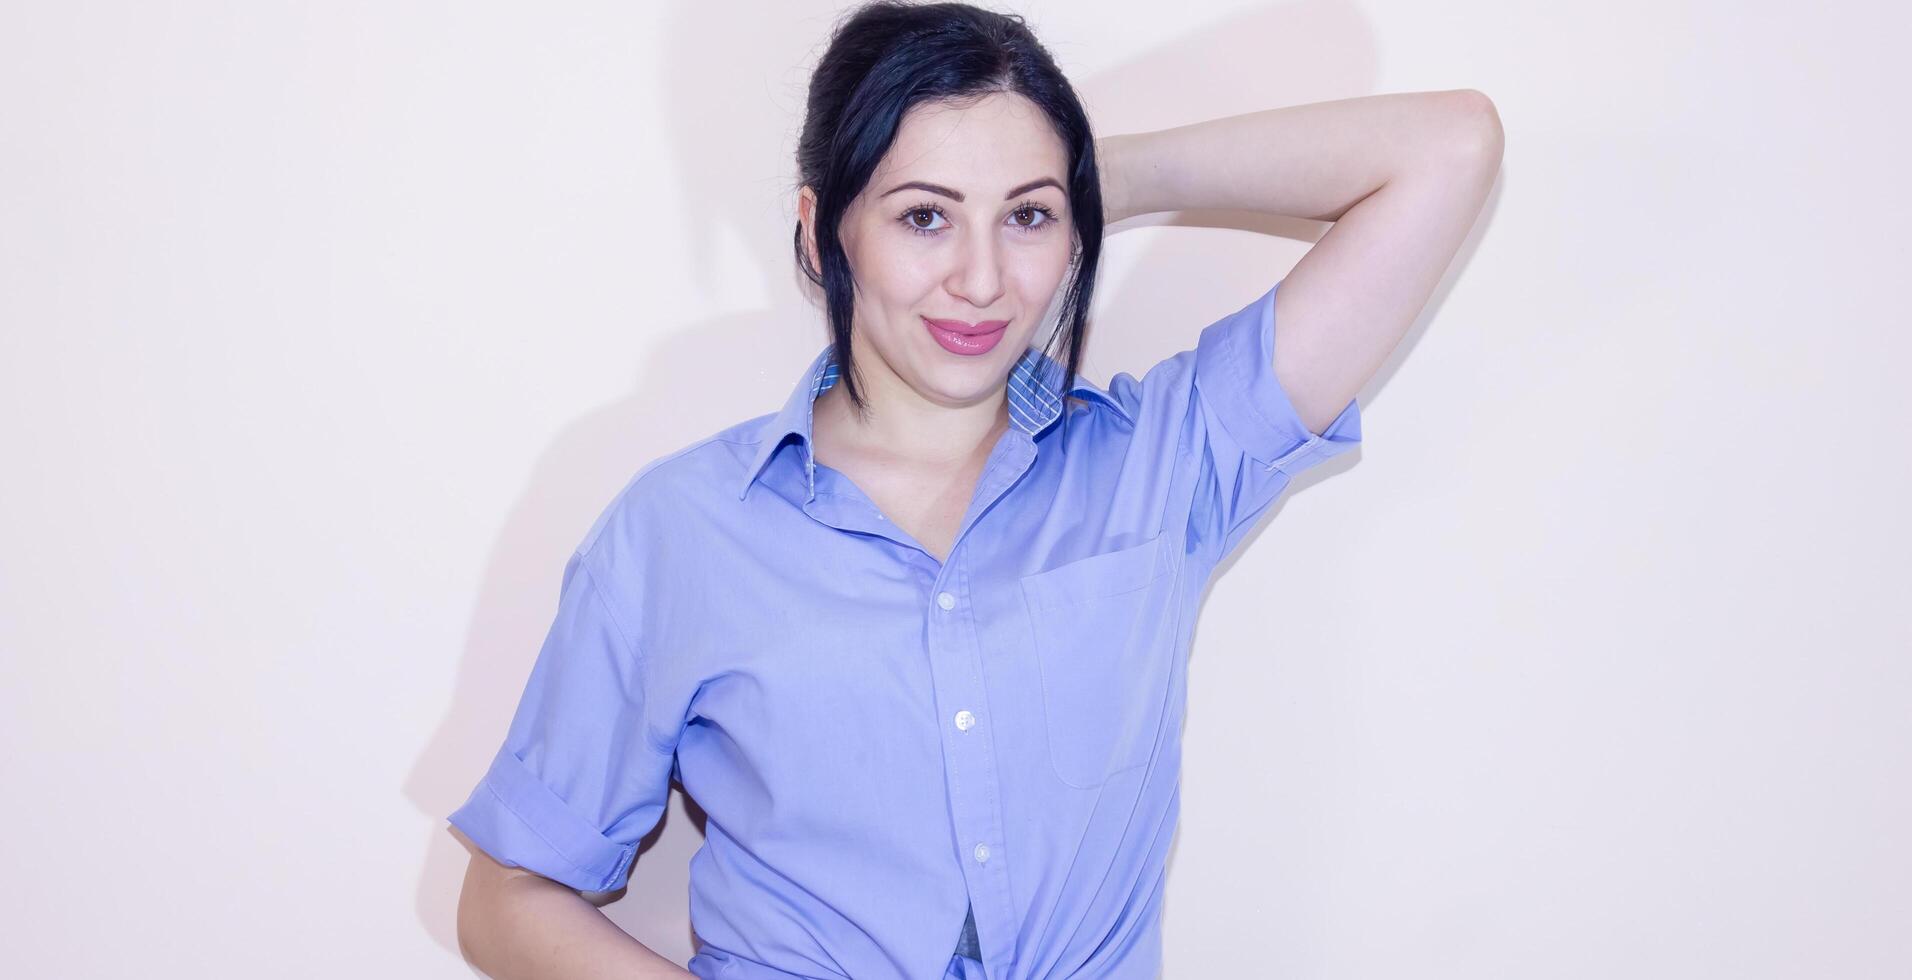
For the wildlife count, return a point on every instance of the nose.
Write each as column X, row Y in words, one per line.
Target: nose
column 977, row 275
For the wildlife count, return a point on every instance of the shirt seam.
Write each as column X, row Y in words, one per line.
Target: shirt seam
column 639, row 662
column 1243, row 383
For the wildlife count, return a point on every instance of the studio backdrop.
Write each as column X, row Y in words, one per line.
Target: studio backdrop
column 327, row 329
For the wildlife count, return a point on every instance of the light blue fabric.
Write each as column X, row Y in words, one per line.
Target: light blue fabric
column 885, row 744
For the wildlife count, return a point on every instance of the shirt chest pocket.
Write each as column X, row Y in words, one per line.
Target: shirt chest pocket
column 1104, row 639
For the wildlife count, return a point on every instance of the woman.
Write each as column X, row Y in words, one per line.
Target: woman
column 915, row 643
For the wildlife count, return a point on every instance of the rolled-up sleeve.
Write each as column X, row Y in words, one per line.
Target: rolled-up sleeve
column 1235, row 378
column 1220, row 410
column 584, row 771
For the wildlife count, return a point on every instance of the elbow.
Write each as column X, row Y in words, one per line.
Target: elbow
column 1478, row 130
column 471, row 928
column 484, row 920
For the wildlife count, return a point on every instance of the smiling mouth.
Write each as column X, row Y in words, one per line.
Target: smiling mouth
column 968, row 340
column 966, row 328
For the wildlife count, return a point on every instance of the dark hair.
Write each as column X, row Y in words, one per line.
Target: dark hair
column 886, row 57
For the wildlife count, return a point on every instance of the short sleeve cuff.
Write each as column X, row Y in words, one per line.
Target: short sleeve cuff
column 1234, row 369
column 520, row 822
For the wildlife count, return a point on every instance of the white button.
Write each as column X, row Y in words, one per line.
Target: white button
column 965, row 721
column 945, row 600
column 982, row 852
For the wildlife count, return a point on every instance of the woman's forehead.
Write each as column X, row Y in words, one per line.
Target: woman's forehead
column 986, row 148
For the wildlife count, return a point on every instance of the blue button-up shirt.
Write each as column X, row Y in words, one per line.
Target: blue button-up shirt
column 889, row 747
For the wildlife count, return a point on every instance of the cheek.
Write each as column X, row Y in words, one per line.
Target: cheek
column 1040, row 271
column 892, row 286
column 906, row 275
column 882, row 269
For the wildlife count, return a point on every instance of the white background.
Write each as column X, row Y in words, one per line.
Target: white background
column 327, row 329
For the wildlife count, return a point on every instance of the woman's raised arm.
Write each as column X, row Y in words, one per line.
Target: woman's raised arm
column 1402, row 177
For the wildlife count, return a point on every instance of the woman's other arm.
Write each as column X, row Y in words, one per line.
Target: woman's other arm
column 517, row 925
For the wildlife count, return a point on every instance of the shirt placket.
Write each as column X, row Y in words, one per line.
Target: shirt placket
column 964, row 718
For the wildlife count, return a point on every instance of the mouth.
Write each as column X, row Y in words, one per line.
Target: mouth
column 960, row 337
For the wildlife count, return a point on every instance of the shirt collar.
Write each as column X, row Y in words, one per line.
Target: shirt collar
column 1033, row 407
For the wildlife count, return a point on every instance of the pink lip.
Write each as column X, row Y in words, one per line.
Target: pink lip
column 970, row 339
column 965, row 327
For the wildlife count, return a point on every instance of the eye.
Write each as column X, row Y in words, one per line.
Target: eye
column 1027, row 211
column 911, row 217
column 1023, row 218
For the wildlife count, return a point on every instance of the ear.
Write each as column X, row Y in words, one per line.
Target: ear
column 807, row 215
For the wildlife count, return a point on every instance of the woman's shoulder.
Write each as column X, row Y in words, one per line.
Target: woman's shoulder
column 670, row 488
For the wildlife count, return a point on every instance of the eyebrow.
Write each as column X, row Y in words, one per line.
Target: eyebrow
column 923, row 185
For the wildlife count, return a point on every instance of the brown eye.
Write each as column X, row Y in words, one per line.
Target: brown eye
column 909, row 219
column 1030, row 211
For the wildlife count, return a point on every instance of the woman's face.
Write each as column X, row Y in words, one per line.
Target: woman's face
column 965, row 219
